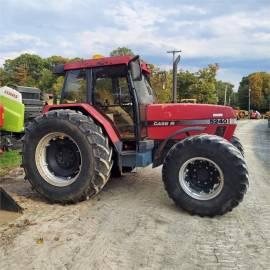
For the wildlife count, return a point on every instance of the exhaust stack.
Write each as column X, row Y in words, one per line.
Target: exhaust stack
column 175, row 64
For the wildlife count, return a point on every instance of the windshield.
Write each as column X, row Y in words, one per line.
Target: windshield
column 144, row 91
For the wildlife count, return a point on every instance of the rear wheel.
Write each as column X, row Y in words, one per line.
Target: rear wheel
column 66, row 157
column 205, row 175
column 236, row 142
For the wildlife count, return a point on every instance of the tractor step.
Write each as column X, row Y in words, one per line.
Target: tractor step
column 136, row 159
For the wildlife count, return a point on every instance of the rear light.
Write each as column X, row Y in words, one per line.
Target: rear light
column 220, row 131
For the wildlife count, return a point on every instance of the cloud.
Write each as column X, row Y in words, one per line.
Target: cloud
column 12, row 39
column 51, row 5
column 12, row 55
column 138, row 26
column 143, row 27
column 234, row 34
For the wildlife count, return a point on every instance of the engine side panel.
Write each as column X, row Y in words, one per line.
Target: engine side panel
column 165, row 119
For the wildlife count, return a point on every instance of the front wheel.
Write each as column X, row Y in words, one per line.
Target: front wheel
column 236, row 142
column 205, row 175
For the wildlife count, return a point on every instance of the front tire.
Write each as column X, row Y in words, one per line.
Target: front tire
column 236, row 143
column 205, row 175
column 66, row 157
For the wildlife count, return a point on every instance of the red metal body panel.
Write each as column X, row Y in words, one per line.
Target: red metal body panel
column 104, row 121
column 106, row 61
column 190, row 112
column 1, row 115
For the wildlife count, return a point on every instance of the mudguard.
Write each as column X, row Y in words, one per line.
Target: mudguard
column 88, row 109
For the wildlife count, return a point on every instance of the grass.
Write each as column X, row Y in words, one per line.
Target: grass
column 9, row 160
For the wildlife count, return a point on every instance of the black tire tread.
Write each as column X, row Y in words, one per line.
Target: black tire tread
column 229, row 151
column 237, row 143
column 96, row 138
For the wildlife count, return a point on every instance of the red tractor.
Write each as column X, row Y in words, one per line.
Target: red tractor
column 109, row 123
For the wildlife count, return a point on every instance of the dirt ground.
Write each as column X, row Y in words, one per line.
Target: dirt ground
column 133, row 224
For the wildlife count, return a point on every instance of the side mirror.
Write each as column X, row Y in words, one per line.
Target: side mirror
column 135, row 68
column 59, row 70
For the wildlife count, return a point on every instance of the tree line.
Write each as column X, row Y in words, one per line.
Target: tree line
column 202, row 85
column 256, row 87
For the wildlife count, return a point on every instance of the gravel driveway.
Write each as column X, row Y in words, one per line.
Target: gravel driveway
column 133, row 224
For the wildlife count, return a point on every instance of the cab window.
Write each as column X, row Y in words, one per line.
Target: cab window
column 75, row 88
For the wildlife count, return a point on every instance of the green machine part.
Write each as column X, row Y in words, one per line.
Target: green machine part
column 13, row 114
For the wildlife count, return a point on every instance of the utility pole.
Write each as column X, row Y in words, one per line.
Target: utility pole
column 175, row 63
column 225, row 95
column 249, row 90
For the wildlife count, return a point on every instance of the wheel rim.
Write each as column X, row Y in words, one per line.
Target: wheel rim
column 201, row 178
column 58, row 159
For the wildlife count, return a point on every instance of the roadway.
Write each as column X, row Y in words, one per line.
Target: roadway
column 133, row 224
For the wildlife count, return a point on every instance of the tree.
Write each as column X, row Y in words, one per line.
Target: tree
column 121, row 51
column 205, row 87
column 200, row 85
column 161, row 82
column 243, row 93
column 234, row 100
column 223, row 87
column 58, row 85
column 255, row 84
column 3, row 77
column 32, row 70
column 266, row 92
column 54, row 60
column 259, row 84
column 46, row 81
column 186, row 82
column 25, row 69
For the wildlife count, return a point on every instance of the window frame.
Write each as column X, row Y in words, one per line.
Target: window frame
column 90, row 100
column 134, row 99
column 88, row 78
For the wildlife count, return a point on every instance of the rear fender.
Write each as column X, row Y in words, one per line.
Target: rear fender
column 88, row 109
column 159, row 154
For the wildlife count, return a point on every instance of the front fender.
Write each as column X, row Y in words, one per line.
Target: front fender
column 160, row 152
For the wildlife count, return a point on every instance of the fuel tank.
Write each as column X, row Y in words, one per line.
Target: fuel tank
column 162, row 120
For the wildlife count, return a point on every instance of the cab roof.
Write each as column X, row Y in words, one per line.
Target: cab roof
column 101, row 62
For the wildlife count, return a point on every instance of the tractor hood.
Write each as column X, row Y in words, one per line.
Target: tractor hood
column 183, row 111
column 164, row 119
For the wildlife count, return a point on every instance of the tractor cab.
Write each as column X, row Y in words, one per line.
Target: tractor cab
column 118, row 87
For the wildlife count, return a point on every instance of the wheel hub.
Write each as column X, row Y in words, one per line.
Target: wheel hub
column 201, row 178
column 58, row 159
column 65, row 157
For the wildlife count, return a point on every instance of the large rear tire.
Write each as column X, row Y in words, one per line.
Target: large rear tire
column 66, row 157
column 205, row 175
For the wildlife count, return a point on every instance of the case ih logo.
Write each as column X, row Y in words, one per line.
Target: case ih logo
column 11, row 94
column 161, row 123
column 215, row 121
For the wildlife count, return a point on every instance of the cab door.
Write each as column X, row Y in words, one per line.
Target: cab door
column 111, row 96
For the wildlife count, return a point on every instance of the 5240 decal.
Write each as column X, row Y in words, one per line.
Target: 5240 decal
column 220, row 121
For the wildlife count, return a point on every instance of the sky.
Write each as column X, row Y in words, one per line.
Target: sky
column 234, row 34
